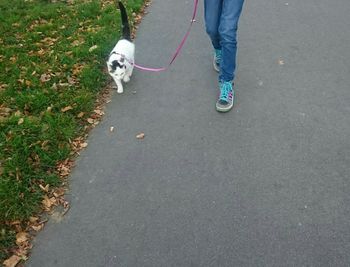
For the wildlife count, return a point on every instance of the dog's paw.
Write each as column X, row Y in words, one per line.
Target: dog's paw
column 120, row 90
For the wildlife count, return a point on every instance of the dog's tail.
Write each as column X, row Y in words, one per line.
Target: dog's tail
column 125, row 22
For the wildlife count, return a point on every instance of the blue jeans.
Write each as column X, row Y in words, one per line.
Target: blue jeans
column 221, row 21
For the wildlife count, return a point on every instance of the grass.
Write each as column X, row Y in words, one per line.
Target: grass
column 47, row 63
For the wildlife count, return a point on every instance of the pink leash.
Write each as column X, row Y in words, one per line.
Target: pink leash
column 177, row 50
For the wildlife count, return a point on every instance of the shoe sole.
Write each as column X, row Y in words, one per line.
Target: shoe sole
column 215, row 66
column 223, row 110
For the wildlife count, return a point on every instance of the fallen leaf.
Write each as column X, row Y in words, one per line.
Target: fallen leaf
column 99, row 112
column 59, row 192
column 78, row 42
column 49, row 41
column 140, row 136
column 64, row 170
column 33, row 219
column 45, row 77
column 81, row 114
column 20, row 121
column 21, row 237
column 92, row 48
column 48, row 202
column 281, row 62
column 23, row 251
column 83, row 145
column 15, row 222
column 66, row 108
column 3, row 86
column 90, row 120
column 77, row 68
column 111, row 129
column 45, row 189
column 41, row 52
column 13, row 59
column 28, row 83
column 12, row 261
column 71, row 80
column 37, row 228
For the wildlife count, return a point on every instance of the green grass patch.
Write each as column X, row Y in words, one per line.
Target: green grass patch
column 46, row 64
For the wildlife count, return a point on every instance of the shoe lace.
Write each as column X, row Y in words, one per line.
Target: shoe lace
column 225, row 89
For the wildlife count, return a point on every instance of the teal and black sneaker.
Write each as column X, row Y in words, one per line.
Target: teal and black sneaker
column 217, row 59
column 226, row 98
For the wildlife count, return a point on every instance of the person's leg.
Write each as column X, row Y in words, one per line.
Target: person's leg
column 212, row 14
column 231, row 11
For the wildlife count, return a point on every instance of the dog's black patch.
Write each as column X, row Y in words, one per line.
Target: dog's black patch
column 116, row 64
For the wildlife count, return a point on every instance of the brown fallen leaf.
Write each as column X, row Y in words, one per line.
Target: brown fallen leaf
column 37, row 228
column 66, row 108
column 78, row 42
column 83, row 145
column 15, row 222
column 23, row 250
column 28, row 83
column 44, row 188
column 81, row 114
column 12, row 261
column 44, row 144
column 3, row 86
column 33, row 219
column 45, row 78
column 77, row 68
column 99, row 112
column 20, row 121
column 59, row 192
column 48, row 202
column 21, row 237
column 140, row 136
column 63, row 170
column 90, row 120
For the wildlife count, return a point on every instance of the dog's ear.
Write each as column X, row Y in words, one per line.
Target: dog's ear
column 122, row 59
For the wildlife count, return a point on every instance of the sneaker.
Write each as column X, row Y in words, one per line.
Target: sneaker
column 217, row 59
column 226, row 98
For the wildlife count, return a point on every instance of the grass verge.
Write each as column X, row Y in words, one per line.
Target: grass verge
column 52, row 57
